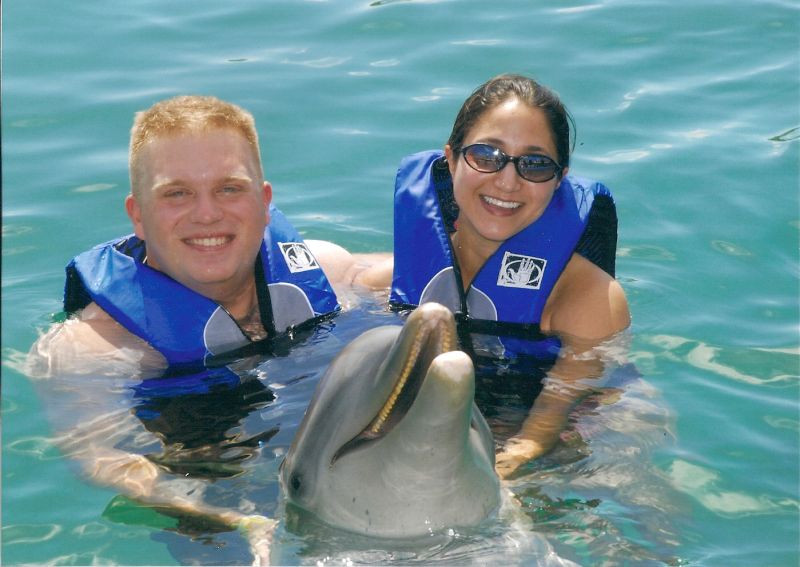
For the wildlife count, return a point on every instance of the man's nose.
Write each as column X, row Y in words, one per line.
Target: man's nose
column 206, row 209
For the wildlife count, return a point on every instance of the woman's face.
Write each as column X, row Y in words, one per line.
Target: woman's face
column 495, row 206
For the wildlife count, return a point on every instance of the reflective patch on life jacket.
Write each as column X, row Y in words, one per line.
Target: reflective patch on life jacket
column 518, row 270
column 298, row 257
column 222, row 334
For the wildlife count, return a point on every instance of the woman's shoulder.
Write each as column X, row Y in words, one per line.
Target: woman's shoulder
column 586, row 302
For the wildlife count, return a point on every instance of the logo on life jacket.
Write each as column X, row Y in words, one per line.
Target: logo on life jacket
column 517, row 270
column 298, row 257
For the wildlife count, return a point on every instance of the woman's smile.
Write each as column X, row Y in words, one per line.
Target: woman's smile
column 506, row 206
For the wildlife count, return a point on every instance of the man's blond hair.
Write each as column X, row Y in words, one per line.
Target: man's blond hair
column 183, row 114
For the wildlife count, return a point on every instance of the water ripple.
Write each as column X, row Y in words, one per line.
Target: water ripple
column 377, row 3
column 646, row 251
column 321, row 63
column 620, row 156
column 729, row 248
column 701, row 483
column 92, row 529
column 29, row 533
column 40, row 447
column 713, row 359
column 478, row 42
column 578, row 9
column 385, row 63
column 94, row 187
column 10, row 230
column 782, row 423
column 789, row 136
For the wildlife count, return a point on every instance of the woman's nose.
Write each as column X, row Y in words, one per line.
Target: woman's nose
column 507, row 179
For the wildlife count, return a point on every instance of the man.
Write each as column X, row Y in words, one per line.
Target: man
column 212, row 266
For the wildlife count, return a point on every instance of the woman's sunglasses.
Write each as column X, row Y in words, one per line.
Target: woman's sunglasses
column 532, row 167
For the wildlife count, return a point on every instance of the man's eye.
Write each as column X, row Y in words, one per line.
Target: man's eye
column 230, row 189
column 176, row 193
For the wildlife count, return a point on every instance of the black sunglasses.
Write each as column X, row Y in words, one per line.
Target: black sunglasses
column 532, row 167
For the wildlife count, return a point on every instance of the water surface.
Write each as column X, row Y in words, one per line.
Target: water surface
column 687, row 110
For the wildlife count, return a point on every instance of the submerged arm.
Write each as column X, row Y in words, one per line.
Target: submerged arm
column 572, row 378
column 75, row 366
column 586, row 308
column 91, row 444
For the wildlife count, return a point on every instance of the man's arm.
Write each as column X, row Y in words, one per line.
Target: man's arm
column 345, row 270
column 91, row 438
column 69, row 355
column 375, row 271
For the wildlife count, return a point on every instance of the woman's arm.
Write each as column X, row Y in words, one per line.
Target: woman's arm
column 574, row 376
column 586, row 308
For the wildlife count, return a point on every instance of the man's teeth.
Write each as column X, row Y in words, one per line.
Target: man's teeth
column 501, row 204
column 209, row 241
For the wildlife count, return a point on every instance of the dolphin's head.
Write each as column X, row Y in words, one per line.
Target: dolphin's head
column 392, row 444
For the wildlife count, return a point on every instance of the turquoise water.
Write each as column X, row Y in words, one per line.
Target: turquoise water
column 689, row 111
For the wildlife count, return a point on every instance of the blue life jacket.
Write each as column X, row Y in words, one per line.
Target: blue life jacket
column 509, row 292
column 183, row 325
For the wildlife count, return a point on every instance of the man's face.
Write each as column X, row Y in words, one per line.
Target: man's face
column 201, row 208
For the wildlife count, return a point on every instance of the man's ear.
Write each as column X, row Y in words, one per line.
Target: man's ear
column 267, row 196
column 135, row 214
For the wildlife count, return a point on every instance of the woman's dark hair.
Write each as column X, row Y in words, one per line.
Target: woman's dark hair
column 503, row 87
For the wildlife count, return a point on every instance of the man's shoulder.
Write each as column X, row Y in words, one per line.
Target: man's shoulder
column 91, row 341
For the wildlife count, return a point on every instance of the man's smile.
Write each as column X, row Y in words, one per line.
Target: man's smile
column 208, row 241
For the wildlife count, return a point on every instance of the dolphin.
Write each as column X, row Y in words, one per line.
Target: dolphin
column 392, row 444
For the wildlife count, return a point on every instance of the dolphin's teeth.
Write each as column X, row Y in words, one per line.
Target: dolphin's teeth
column 446, row 342
column 387, row 407
column 432, row 337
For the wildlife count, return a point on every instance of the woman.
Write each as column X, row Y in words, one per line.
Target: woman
column 495, row 230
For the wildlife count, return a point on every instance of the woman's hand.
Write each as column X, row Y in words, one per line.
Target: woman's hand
column 516, row 453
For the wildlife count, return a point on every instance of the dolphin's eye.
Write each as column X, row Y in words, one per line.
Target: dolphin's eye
column 295, row 483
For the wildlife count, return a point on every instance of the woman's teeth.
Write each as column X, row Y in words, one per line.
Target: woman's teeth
column 501, row 204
